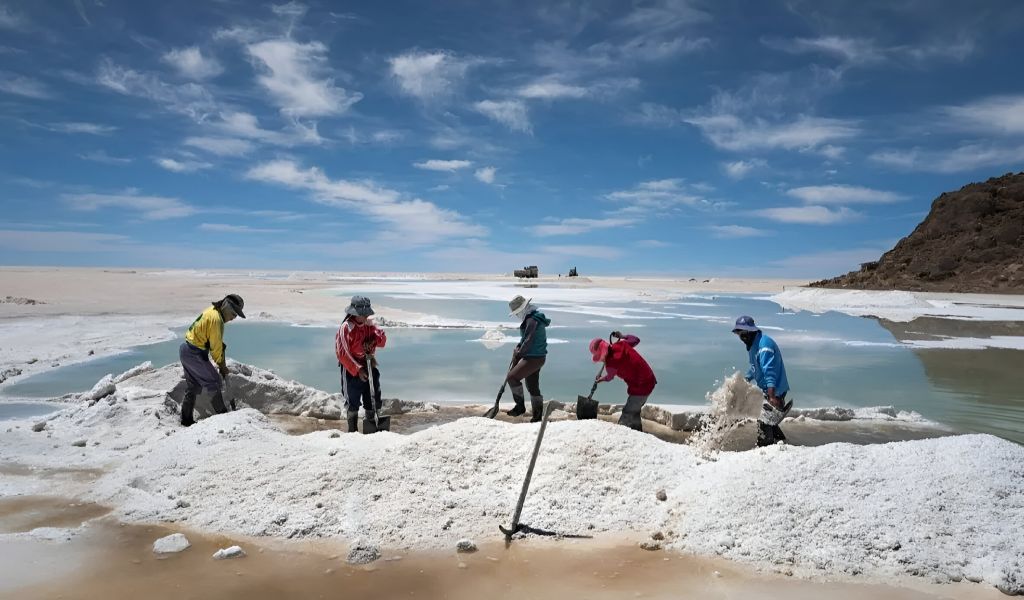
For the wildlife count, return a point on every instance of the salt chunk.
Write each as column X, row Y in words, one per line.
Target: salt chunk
column 232, row 552
column 171, row 544
column 466, row 545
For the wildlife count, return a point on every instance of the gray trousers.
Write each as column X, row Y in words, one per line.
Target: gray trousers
column 630, row 416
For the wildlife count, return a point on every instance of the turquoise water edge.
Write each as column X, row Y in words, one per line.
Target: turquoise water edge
column 832, row 359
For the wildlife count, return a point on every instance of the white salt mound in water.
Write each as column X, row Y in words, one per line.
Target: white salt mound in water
column 493, row 338
column 732, row 403
column 945, row 509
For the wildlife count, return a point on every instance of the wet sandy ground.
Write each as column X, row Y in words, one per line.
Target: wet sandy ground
column 799, row 432
column 112, row 560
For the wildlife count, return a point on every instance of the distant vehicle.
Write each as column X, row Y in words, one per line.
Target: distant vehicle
column 573, row 273
column 530, row 272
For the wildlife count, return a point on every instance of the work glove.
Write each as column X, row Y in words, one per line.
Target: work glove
column 363, row 374
column 617, row 335
column 233, row 408
column 224, row 372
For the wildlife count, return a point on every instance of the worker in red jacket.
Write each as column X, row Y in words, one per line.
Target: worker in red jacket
column 622, row 360
column 355, row 344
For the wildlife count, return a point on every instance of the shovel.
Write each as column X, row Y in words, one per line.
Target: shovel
column 378, row 423
column 493, row 411
column 586, row 408
column 516, row 526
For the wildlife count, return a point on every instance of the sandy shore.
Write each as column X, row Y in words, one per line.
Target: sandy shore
column 110, row 559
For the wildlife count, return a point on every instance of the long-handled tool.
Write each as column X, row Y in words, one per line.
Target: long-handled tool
column 378, row 423
column 586, row 408
column 516, row 526
column 493, row 411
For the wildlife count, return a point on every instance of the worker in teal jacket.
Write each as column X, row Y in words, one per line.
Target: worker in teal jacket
column 769, row 373
column 528, row 358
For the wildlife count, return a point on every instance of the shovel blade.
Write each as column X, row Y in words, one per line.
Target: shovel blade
column 382, row 424
column 586, row 408
column 491, row 412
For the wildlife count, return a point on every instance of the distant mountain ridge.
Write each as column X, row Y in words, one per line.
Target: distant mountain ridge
column 971, row 241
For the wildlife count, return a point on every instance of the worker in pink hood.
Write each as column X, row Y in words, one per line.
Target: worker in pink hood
column 622, row 360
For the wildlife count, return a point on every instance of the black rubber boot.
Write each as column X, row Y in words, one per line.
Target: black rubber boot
column 217, row 401
column 353, row 422
column 188, row 405
column 537, row 406
column 519, row 408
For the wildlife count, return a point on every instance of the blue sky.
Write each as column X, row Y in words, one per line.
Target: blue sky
column 675, row 136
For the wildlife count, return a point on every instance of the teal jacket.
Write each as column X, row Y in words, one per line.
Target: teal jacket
column 533, row 336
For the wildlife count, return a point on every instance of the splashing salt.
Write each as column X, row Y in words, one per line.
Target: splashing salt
column 733, row 402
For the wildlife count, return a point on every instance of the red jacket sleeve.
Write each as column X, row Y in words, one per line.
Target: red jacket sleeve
column 343, row 349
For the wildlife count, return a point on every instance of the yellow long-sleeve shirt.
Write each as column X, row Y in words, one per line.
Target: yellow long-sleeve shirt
column 207, row 332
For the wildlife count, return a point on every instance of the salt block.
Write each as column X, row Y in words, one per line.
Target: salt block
column 232, row 552
column 171, row 544
column 465, row 545
column 104, row 387
column 362, row 554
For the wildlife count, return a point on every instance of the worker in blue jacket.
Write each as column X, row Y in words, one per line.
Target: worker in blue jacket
column 769, row 373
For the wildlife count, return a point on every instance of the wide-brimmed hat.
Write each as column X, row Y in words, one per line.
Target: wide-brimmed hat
column 359, row 307
column 235, row 303
column 745, row 323
column 598, row 349
column 518, row 305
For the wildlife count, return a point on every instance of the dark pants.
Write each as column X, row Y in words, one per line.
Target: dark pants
column 529, row 369
column 357, row 391
column 200, row 374
column 768, row 435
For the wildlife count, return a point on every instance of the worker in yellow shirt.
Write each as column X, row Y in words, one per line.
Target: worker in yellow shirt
column 204, row 338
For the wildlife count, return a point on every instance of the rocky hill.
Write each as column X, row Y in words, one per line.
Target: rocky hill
column 971, row 241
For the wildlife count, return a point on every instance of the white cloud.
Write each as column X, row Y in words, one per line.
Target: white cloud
column 955, row 160
column 246, row 125
column 11, row 20
column 731, row 132
column 1002, row 115
column 190, row 63
column 449, row 166
column 577, row 226
column 809, row 215
column 190, row 99
column 510, row 113
column 551, row 89
column 741, row 168
column 658, row 195
column 414, row 221
column 182, row 166
column 79, row 127
column 386, row 136
column 486, row 174
column 226, row 228
column 101, row 156
column 292, row 75
column 653, row 244
column 28, row 87
column 844, row 194
column 429, row 76
column 848, row 49
column 60, row 241
column 444, row 187
column 153, row 208
column 221, row 146
column 866, row 51
column 737, row 231
column 831, row 152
